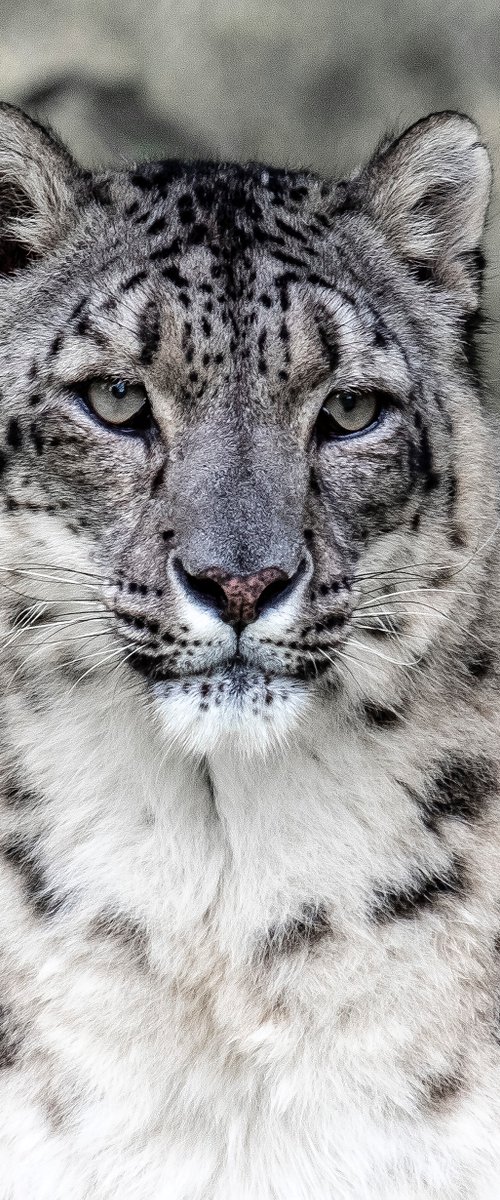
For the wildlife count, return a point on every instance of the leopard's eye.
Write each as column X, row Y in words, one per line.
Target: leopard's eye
column 344, row 413
column 118, row 403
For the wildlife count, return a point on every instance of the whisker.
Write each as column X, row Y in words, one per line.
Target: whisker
column 45, row 599
column 96, row 666
column 383, row 628
column 379, row 654
column 411, row 591
column 54, row 627
column 410, row 606
column 34, row 574
column 414, row 567
column 40, row 566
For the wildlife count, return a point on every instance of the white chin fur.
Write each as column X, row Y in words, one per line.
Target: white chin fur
column 250, row 720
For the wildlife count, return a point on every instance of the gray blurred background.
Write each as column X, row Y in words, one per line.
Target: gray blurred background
column 294, row 82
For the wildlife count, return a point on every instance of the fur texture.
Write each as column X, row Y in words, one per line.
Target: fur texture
column 249, row 877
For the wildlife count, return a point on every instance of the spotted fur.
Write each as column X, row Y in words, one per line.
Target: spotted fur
column 249, row 868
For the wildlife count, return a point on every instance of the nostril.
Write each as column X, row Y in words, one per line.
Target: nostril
column 202, row 587
column 208, row 590
column 272, row 592
column 280, row 589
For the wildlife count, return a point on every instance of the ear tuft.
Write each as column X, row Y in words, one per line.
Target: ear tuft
column 430, row 190
column 37, row 189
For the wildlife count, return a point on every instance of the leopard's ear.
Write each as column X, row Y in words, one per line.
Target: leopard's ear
column 38, row 179
column 430, row 190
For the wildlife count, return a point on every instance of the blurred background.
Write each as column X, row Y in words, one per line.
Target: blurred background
column 294, row 82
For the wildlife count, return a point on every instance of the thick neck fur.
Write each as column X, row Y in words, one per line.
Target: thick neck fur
column 247, row 941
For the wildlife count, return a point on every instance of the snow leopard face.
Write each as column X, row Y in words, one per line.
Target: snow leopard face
column 237, row 405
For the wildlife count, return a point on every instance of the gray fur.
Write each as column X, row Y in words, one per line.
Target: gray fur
column 249, row 877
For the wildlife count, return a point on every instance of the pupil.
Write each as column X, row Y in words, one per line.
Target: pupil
column 118, row 389
column 349, row 401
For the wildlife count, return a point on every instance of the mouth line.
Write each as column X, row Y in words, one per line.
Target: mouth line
column 234, row 668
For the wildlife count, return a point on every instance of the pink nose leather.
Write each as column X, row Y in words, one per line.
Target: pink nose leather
column 243, row 592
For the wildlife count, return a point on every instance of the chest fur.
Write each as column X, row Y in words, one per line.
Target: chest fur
column 216, row 945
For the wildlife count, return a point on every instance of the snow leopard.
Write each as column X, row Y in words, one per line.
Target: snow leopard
column 250, row 702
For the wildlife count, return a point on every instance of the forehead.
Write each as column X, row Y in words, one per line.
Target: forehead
column 213, row 269
column 224, row 205
column 251, row 236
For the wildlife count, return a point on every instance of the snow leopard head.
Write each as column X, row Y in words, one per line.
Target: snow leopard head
column 240, row 424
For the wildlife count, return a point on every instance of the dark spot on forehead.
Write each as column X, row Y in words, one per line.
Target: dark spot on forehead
column 101, row 192
column 157, row 175
column 14, row 434
column 156, row 226
column 198, row 234
column 168, row 251
column 174, row 276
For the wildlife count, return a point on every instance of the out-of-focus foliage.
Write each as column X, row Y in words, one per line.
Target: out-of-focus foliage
column 288, row 81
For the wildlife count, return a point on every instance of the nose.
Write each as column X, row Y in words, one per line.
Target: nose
column 239, row 599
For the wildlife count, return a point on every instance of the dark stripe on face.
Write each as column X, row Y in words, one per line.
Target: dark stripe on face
column 384, row 718
column 421, row 464
column 78, row 309
column 329, row 346
column 133, row 280
column 55, row 345
column 149, row 332
column 417, row 895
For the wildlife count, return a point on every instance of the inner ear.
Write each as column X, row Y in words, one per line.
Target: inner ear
column 14, row 254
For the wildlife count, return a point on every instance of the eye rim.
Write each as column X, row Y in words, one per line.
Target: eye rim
column 327, row 428
column 140, row 423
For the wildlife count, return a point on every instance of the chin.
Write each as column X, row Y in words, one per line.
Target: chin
column 242, row 711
